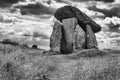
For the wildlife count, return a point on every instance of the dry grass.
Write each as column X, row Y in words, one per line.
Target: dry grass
column 27, row 64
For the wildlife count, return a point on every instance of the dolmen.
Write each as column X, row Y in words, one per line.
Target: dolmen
column 73, row 30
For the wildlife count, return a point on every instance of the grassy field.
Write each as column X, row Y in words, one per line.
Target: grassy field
column 18, row 63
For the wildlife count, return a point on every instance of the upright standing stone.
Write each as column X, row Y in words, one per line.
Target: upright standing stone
column 68, row 34
column 90, row 38
column 55, row 39
column 80, row 38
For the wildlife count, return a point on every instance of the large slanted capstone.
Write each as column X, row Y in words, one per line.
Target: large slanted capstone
column 70, row 12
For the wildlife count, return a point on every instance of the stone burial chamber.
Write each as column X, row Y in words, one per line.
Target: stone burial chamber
column 71, row 32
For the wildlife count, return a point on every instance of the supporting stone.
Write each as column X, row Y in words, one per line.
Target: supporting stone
column 55, row 39
column 68, row 34
column 80, row 38
column 91, row 41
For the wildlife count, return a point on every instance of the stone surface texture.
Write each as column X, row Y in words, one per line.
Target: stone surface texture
column 55, row 39
column 68, row 28
column 80, row 38
column 90, row 38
